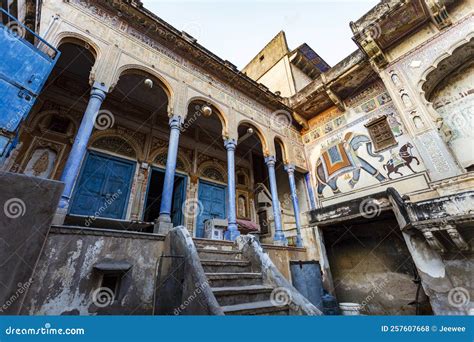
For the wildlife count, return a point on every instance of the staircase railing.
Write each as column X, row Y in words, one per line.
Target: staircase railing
column 182, row 286
column 284, row 293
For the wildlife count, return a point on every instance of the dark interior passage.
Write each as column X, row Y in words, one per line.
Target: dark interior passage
column 371, row 265
column 153, row 198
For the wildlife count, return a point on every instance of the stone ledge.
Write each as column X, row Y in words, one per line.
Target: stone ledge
column 105, row 232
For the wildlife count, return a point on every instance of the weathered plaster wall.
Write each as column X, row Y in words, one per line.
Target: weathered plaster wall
column 270, row 55
column 301, row 80
column 279, row 78
column 65, row 279
column 281, row 257
column 28, row 206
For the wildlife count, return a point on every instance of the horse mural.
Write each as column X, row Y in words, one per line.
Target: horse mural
column 403, row 158
column 341, row 158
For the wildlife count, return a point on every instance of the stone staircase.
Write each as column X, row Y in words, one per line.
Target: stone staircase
column 234, row 281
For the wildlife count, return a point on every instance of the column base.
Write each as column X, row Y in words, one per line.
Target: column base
column 279, row 239
column 299, row 241
column 163, row 225
column 59, row 216
column 232, row 232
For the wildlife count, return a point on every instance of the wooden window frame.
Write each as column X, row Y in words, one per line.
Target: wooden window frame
column 387, row 143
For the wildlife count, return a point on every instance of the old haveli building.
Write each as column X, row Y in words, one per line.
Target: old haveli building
column 365, row 166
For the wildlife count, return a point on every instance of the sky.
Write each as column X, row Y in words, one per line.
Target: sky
column 237, row 30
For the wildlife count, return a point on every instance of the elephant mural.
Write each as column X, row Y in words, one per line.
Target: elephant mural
column 341, row 158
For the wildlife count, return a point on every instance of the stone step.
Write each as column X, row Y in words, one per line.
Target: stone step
column 222, row 245
column 256, row 308
column 229, row 266
column 241, row 294
column 234, row 279
column 216, row 254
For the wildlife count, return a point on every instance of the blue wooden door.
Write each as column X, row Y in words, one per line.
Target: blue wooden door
column 103, row 187
column 213, row 201
column 23, row 71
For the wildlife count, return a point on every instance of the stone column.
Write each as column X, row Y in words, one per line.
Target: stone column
column 164, row 224
column 290, row 169
column 79, row 148
column 232, row 229
column 279, row 238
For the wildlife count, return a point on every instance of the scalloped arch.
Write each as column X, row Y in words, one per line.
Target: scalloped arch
column 220, row 112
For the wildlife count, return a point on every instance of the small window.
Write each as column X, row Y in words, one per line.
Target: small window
column 261, row 58
column 112, row 282
column 381, row 133
column 241, row 179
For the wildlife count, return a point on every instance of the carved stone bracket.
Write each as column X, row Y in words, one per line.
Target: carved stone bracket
column 433, row 241
column 438, row 14
column 457, row 238
column 374, row 52
column 431, row 231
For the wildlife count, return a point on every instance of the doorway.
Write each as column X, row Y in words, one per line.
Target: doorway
column 155, row 191
column 103, row 186
column 370, row 265
column 212, row 197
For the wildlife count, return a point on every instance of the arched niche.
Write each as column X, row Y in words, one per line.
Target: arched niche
column 449, row 88
column 115, row 144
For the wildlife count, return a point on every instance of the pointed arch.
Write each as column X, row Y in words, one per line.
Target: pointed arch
column 259, row 133
column 445, row 64
column 114, row 133
column 142, row 70
column 182, row 159
column 284, row 151
column 80, row 40
column 222, row 116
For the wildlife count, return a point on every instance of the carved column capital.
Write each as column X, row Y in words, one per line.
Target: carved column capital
column 290, row 168
column 175, row 122
column 230, row 144
column 270, row 161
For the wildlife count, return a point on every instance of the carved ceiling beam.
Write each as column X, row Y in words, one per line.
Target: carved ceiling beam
column 302, row 121
column 332, row 95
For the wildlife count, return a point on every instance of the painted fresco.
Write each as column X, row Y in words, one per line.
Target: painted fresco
column 342, row 155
